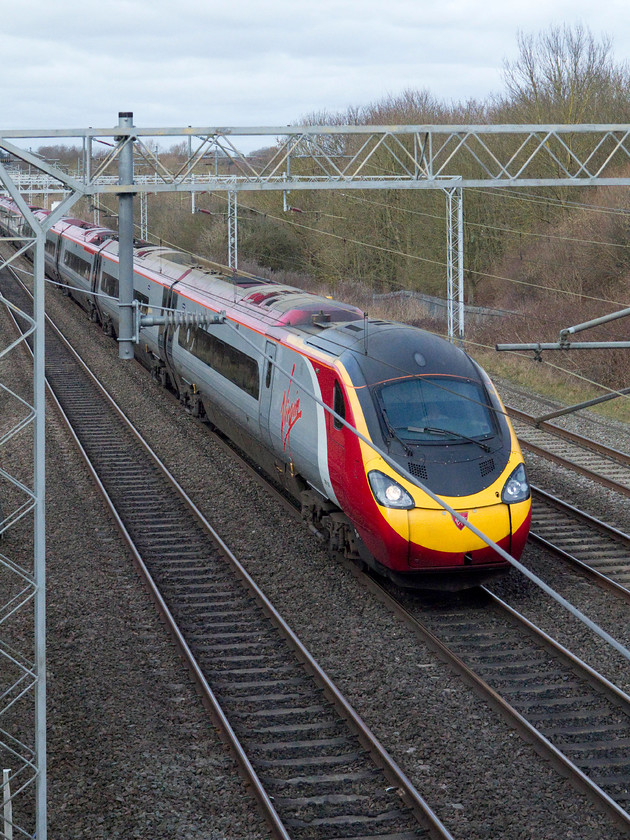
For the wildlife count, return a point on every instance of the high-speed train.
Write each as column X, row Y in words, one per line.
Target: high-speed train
column 264, row 377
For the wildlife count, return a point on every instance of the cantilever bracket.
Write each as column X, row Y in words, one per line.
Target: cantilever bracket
column 174, row 319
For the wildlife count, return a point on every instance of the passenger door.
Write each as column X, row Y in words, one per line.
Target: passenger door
column 265, row 392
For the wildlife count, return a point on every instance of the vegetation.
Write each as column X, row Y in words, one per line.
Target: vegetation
column 552, row 258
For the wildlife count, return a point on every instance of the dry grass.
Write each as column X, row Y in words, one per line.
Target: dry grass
column 406, row 310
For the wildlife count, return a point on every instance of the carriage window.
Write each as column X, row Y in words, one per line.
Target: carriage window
column 109, row 284
column 80, row 266
column 143, row 300
column 339, row 406
column 415, row 408
column 235, row 365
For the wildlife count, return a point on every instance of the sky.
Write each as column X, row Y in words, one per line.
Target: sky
column 77, row 63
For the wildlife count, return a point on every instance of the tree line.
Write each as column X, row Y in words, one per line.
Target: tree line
column 392, row 240
column 561, row 251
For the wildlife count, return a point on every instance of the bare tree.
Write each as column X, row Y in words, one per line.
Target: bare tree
column 566, row 75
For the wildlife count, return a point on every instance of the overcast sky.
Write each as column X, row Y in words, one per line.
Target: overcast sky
column 77, row 63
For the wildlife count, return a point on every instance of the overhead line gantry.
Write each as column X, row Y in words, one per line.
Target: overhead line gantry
column 301, row 157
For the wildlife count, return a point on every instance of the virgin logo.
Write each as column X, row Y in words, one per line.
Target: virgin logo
column 459, row 524
column 290, row 413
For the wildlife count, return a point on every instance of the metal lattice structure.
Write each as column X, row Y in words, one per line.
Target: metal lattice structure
column 23, row 691
column 232, row 230
column 455, row 260
column 401, row 157
column 361, row 157
column 19, row 586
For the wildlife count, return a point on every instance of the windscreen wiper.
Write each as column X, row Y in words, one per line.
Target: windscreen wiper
column 435, row 431
column 393, row 434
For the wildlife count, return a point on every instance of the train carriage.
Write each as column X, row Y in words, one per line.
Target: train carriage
column 419, row 399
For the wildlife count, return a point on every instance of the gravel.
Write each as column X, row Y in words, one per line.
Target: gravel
column 130, row 750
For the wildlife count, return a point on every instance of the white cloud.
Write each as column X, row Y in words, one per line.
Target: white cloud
column 207, row 62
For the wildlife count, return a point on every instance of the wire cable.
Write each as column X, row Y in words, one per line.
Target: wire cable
column 397, row 252
column 487, row 226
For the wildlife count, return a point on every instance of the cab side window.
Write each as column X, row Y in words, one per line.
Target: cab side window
column 339, row 406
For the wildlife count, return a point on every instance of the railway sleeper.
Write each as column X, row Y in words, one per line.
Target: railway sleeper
column 349, row 759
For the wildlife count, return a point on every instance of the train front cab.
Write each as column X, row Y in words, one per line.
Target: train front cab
column 409, row 535
column 421, row 535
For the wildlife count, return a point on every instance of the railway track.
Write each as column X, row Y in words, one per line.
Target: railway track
column 608, row 789
column 575, row 718
column 315, row 767
column 597, row 549
column 606, row 466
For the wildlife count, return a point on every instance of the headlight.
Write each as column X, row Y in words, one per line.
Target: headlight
column 388, row 492
column 516, row 487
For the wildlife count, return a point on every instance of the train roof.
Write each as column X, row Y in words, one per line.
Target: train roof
column 379, row 348
column 294, row 308
column 385, row 350
column 267, row 302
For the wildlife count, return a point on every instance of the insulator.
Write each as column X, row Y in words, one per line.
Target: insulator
column 193, row 319
column 182, row 319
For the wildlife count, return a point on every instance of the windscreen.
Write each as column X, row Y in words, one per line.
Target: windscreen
column 436, row 409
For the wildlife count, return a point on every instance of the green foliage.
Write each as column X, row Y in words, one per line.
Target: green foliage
column 269, row 244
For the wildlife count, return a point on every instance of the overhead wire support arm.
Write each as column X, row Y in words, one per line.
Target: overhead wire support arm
column 586, row 404
column 538, row 347
column 565, row 342
column 595, row 322
column 175, row 319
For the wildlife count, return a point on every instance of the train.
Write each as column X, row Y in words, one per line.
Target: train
column 289, row 378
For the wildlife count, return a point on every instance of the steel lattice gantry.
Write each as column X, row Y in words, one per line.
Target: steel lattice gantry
column 360, row 157
column 310, row 157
